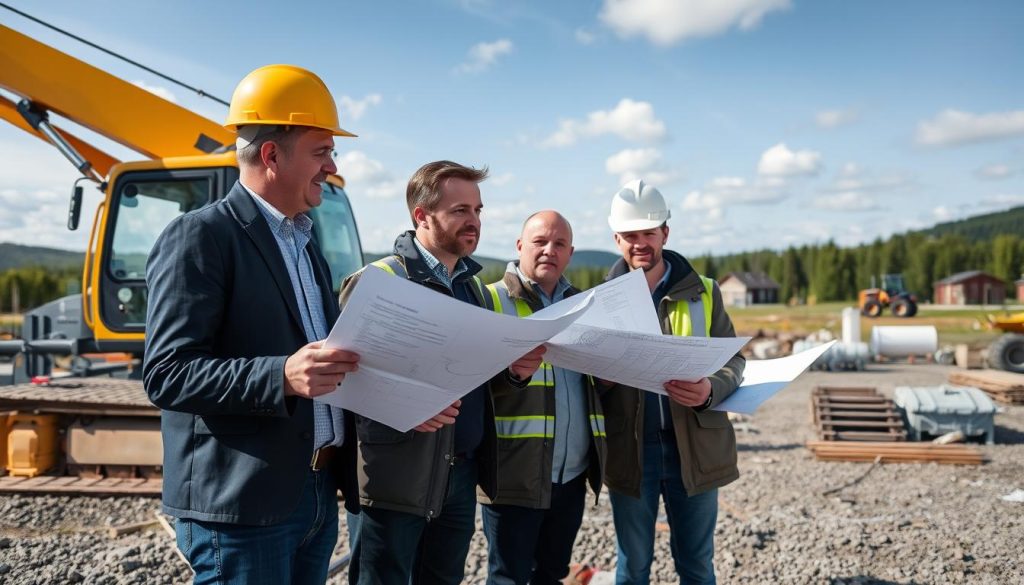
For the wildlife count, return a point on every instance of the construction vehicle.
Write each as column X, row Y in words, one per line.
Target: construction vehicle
column 1007, row 351
column 107, row 425
column 892, row 294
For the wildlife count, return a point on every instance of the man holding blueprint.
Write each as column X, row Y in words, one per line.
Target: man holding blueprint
column 417, row 487
column 550, row 434
column 674, row 447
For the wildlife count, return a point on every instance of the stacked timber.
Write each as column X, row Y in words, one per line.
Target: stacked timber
column 842, row 413
column 895, row 452
column 1004, row 387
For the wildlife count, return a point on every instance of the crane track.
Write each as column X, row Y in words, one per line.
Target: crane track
column 81, row 397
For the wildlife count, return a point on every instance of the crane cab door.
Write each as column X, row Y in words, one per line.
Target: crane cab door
column 138, row 206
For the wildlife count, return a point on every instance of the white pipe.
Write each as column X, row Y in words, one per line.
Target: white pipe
column 904, row 340
column 851, row 325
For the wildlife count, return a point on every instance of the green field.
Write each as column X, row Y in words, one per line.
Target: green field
column 955, row 325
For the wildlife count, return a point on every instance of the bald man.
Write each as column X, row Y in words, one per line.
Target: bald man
column 550, row 434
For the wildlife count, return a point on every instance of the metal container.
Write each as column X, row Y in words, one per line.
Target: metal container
column 938, row 410
column 904, row 340
column 851, row 326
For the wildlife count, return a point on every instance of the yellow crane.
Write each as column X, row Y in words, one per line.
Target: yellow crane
column 189, row 161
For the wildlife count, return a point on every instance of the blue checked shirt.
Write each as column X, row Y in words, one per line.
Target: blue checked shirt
column 571, row 450
column 438, row 267
column 292, row 235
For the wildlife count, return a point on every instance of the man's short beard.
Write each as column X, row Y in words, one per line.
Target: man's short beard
column 450, row 243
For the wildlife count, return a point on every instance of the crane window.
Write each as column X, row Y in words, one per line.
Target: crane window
column 337, row 234
column 144, row 209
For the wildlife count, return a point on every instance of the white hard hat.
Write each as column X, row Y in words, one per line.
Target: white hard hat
column 637, row 206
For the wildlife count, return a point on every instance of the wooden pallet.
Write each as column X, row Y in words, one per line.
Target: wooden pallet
column 895, row 452
column 855, row 414
column 67, row 484
column 1004, row 387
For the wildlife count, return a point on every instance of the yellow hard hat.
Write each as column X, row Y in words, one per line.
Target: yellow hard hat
column 283, row 95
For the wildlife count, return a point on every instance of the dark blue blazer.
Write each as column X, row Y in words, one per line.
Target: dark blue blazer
column 222, row 320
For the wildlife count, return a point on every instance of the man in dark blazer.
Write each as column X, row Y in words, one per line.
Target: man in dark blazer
column 240, row 299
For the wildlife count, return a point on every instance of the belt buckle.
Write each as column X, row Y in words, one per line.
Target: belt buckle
column 314, row 464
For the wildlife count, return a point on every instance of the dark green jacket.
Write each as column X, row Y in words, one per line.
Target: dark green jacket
column 704, row 437
column 408, row 472
column 524, row 463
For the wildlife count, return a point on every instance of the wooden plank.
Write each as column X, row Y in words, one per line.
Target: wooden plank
column 861, row 424
column 75, row 485
column 863, row 435
column 870, row 414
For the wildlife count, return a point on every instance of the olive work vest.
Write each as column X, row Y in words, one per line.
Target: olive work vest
column 537, row 423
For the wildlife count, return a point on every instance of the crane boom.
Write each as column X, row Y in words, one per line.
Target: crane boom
column 114, row 108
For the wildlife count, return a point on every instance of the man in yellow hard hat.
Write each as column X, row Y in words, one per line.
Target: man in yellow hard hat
column 240, row 301
column 672, row 447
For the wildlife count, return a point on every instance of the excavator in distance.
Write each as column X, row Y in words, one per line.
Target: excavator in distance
column 85, row 424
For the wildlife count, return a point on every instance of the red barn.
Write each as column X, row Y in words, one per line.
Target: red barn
column 973, row 287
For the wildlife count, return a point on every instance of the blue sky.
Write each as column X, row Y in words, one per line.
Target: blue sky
column 764, row 122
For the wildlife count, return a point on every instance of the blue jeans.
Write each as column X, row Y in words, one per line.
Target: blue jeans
column 691, row 520
column 397, row 548
column 296, row 551
column 526, row 545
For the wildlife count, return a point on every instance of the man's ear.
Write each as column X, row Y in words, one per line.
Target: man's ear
column 419, row 215
column 268, row 154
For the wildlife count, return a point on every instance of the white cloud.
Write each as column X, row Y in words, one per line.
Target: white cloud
column 1002, row 200
column 156, row 90
column 640, row 163
column 943, row 213
column 666, row 22
column 851, row 177
column 994, row 172
column 630, row 120
column 829, row 119
column 353, row 109
column 847, row 201
column 720, row 193
column 780, row 160
column 953, row 127
column 635, row 160
column 368, row 177
column 850, row 169
column 483, row 55
column 585, row 36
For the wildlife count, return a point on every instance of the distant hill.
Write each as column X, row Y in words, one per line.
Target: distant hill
column 581, row 259
column 981, row 227
column 593, row 259
column 18, row 256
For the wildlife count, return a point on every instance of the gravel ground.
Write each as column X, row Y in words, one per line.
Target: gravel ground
column 907, row 524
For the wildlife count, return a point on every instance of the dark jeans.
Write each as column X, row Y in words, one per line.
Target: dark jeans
column 526, row 545
column 296, row 551
column 396, row 548
column 691, row 520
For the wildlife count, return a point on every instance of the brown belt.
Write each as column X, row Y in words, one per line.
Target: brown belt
column 322, row 457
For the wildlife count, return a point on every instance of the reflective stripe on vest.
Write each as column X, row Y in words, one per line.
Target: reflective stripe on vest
column 504, row 303
column 394, row 267
column 686, row 317
column 525, row 427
